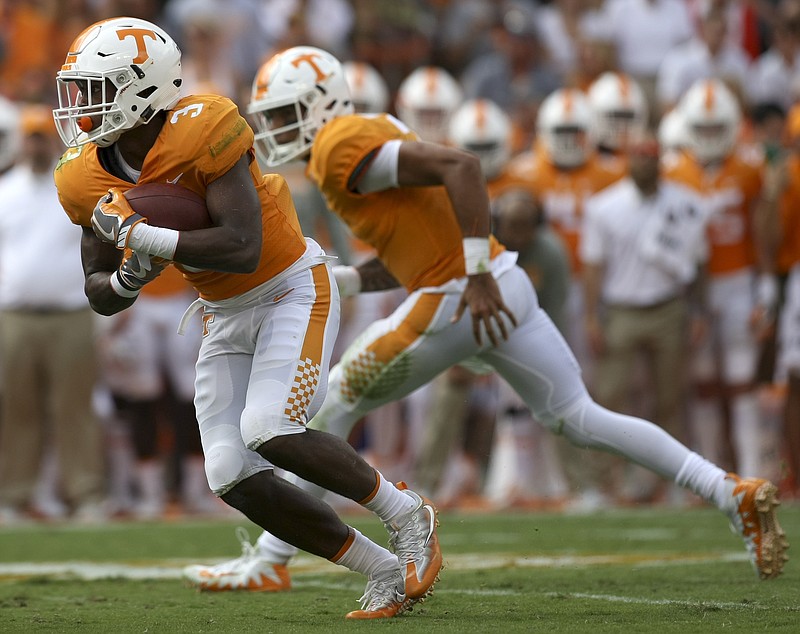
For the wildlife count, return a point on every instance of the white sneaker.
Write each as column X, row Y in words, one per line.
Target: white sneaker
column 384, row 596
column 248, row 572
column 413, row 538
column 91, row 513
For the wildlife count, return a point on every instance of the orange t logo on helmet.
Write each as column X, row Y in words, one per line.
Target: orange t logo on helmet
column 138, row 35
column 309, row 59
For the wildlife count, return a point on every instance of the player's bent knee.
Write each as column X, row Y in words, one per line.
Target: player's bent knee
column 259, row 426
column 224, row 468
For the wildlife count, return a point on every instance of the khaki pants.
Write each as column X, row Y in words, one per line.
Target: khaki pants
column 48, row 375
column 653, row 339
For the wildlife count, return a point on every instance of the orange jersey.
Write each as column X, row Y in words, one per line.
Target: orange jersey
column 563, row 193
column 504, row 182
column 731, row 190
column 414, row 230
column 170, row 282
column 789, row 250
column 202, row 138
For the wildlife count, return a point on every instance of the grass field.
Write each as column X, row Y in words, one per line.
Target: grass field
column 648, row 570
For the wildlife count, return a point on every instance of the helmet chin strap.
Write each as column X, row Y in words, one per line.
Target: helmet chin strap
column 112, row 137
column 107, row 139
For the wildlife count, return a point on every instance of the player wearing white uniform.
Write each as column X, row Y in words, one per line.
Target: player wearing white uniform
column 149, row 370
column 424, row 208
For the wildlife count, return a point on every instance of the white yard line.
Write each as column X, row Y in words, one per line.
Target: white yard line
column 305, row 565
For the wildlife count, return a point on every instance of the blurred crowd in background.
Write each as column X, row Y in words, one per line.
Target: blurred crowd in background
column 548, row 94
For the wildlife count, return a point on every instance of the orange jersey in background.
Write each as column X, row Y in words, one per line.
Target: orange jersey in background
column 563, row 193
column 789, row 249
column 731, row 190
column 202, row 138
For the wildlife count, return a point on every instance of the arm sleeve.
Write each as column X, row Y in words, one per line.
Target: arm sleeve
column 381, row 171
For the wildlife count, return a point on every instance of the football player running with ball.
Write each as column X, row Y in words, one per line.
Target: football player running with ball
column 270, row 305
column 424, row 208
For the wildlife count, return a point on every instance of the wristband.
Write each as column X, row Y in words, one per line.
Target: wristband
column 120, row 288
column 348, row 280
column 156, row 241
column 476, row 255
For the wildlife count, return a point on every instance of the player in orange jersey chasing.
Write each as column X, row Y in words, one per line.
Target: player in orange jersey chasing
column 425, row 210
column 270, row 307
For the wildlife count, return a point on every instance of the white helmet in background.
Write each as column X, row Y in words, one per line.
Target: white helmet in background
column 619, row 110
column 310, row 82
column 712, row 117
column 10, row 134
column 672, row 133
column 426, row 100
column 563, row 125
column 117, row 75
column 482, row 127
column 368, row 89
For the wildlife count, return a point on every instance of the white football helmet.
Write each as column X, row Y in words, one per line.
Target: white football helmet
column 619, row 110
column 563, row 124
column 482, row 127
column 672, row 133
column 311, row 84
column 117, row 75
column 712, row 117
column 368, row 90
column 10, row 136
column 426, row 100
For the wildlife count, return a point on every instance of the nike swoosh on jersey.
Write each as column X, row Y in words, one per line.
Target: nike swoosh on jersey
column 278, row 298
column 174, row 181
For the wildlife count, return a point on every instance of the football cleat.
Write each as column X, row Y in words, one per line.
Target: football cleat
column 754, row 518
column 413, row 538
column 248, row 572
column 384, row 597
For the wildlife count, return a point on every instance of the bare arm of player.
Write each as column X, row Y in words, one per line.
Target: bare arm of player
column 100, row 261
column 375, row 277
column 592, row 283
column 233, row 244
column 700, row 313
column 428, row 164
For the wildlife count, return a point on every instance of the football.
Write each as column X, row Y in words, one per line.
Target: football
column 170, row 206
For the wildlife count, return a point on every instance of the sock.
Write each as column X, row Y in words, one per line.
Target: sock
column 387, row 501
column 706, row 480
column 747, row 439
column 360, row 554
column 706, row 426
column 274, row 550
